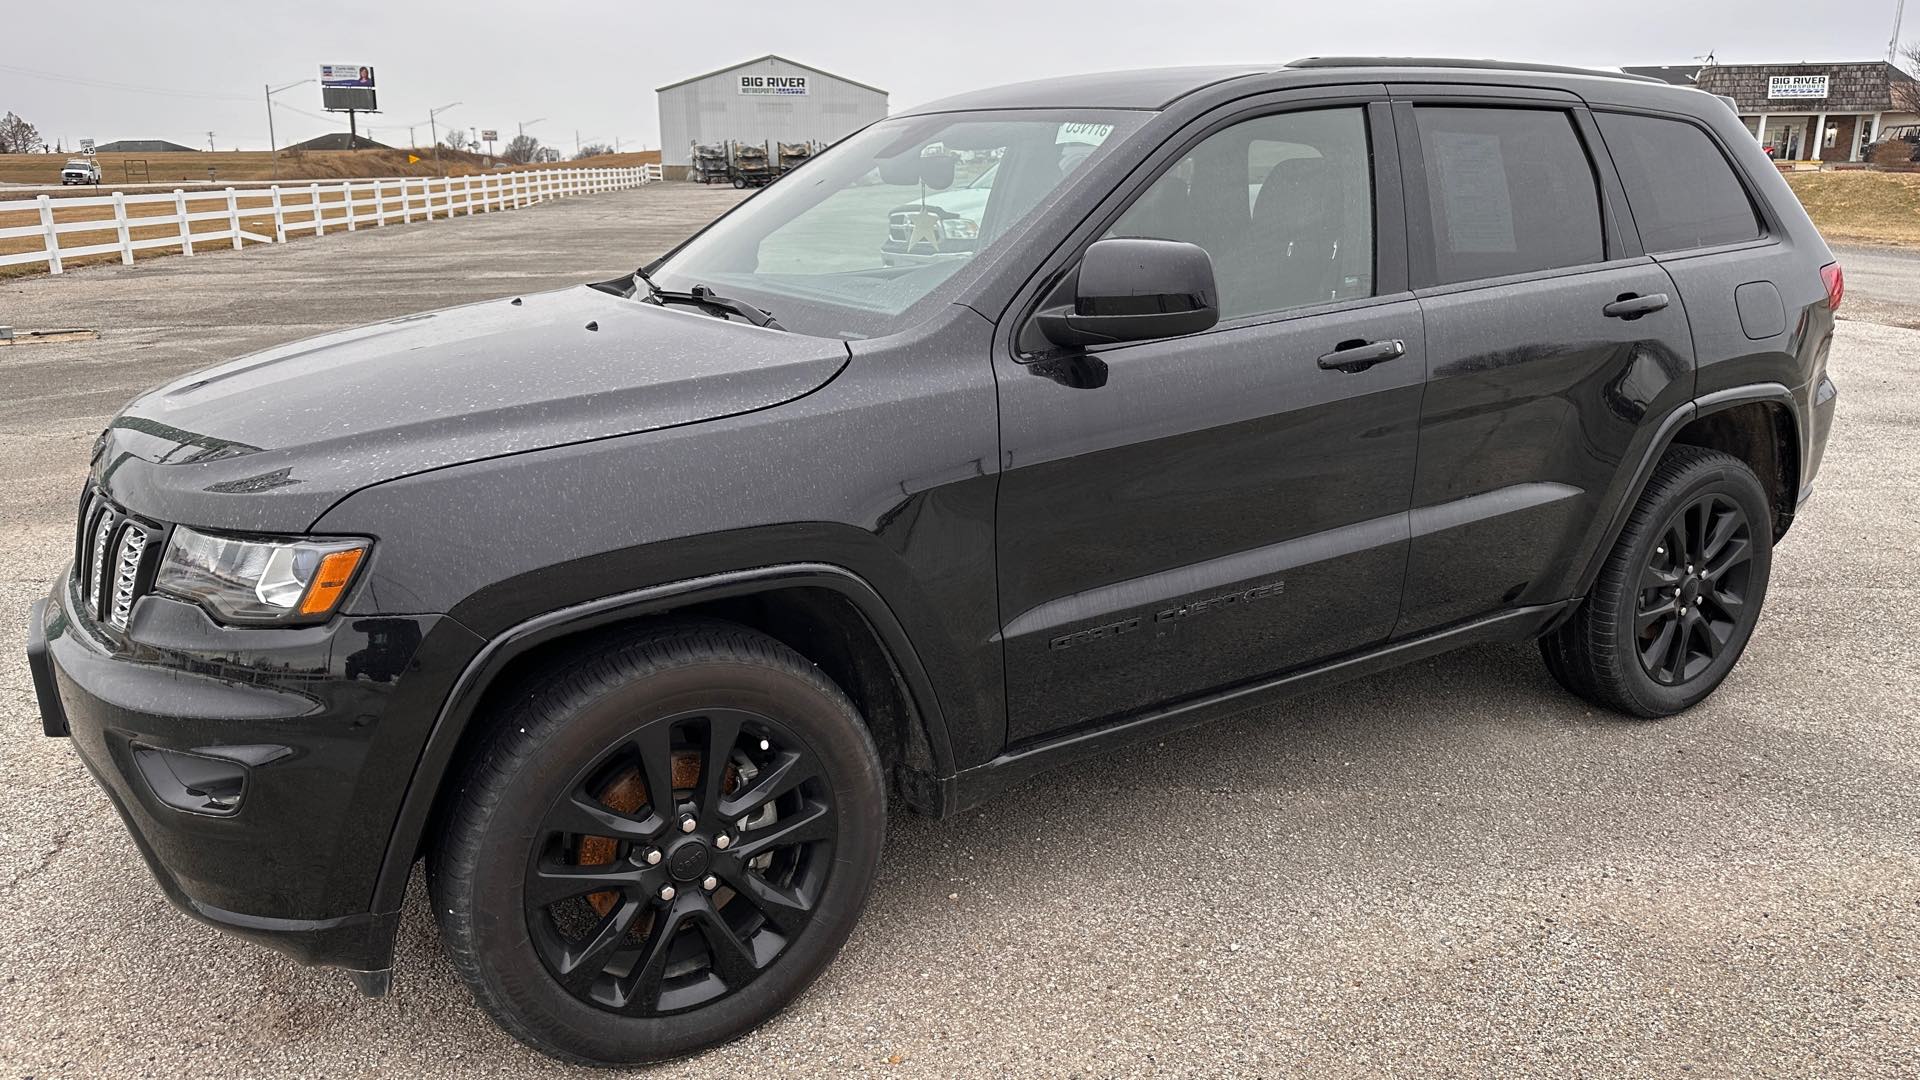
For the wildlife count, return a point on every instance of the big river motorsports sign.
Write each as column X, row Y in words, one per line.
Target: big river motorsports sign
column 782, row 85
column 1797, row 86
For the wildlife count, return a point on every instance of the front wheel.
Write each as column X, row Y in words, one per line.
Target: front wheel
column 662, row 845
column 1679, row 595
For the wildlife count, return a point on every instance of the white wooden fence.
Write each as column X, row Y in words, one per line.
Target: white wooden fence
column 166, row 219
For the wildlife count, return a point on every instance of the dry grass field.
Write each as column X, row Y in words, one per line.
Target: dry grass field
column 1862, row 207
column 249, row 165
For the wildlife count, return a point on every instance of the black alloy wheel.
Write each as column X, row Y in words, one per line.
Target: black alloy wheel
column 661, row 843
column 1693, row 589
column 1678, row 596
column 651, row 906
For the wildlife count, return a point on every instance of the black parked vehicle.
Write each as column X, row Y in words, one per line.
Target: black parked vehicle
column 628, row 605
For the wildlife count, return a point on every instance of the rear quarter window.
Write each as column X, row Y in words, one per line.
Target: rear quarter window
column 1680, row 187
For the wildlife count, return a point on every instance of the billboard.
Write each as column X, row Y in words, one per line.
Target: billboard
column 347, row 88
column 773, row 85
column 360, row 75
column 488, row 134
column 1797, row 86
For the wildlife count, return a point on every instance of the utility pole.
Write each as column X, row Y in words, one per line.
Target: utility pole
column 210, row 142
column 433, row 131
column 273, row 169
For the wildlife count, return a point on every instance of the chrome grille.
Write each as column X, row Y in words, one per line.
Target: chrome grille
column 111, row 561
column 133, row 544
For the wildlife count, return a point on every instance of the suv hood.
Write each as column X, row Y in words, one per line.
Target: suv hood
column 270, row 441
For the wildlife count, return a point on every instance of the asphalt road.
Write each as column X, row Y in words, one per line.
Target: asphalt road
column 1449, row 870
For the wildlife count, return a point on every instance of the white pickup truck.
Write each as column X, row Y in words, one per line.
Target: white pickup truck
column 80, row 171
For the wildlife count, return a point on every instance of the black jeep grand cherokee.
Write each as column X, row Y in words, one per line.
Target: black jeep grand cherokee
column 628, row 605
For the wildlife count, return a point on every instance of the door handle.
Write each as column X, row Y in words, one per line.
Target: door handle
column 1631, row 306
column 1352, row 356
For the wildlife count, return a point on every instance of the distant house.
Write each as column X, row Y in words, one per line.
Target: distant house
column 143, row 146
column 1815, row 112
column 339, row 140
column 1805, row 112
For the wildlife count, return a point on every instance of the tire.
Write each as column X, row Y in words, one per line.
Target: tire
column 739, row 183
column 1694, row 557
column 757, row 907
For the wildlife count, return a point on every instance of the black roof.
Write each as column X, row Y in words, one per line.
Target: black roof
column 143, row 146
column 1156, row 88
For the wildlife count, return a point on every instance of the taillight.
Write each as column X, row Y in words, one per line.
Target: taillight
column 1836, row 283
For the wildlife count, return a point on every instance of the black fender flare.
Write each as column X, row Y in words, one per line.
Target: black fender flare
column 456, row 712
column 1670, row 425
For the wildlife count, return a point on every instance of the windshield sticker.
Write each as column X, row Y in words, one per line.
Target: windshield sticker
column 1083, row 134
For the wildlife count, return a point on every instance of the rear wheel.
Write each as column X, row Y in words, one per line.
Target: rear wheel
column 661, row 847
column 1679, row 595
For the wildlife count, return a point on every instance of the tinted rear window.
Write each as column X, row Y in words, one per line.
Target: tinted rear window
column 1682, row 191
column 1510, row 191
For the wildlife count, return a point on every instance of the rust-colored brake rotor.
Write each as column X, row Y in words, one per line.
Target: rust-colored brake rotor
column 627, row 793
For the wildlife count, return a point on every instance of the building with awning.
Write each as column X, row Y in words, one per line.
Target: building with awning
column 1816, row 112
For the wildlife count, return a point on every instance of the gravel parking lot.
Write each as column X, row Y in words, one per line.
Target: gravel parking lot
column 1453, row 869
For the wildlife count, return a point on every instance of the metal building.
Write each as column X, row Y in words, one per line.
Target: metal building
column 767, row 100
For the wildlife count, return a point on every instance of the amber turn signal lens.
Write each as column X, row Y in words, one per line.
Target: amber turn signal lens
column 330, row 582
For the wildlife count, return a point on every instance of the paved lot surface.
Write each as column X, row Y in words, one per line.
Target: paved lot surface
column 1453, row 869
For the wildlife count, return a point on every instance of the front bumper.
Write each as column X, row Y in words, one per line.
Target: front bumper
column 258, row 770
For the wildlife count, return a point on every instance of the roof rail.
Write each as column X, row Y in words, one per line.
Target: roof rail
column 1456, row 62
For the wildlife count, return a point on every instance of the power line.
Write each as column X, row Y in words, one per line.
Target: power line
column 104, row 84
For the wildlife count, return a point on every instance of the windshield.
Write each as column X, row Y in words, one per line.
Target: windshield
column 861, row 241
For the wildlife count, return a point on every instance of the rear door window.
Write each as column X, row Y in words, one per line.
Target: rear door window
column 1682, row 190
column 1509, row 191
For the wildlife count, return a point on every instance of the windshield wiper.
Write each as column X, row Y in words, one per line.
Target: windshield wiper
column 707, row 300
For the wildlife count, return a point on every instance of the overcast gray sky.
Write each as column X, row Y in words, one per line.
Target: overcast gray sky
column 593, row 66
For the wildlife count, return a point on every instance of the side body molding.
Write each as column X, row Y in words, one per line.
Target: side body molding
column 926, row 793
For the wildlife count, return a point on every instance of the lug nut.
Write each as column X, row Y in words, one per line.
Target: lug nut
column 666, row 892
column 723, row 841
column 653, row 856
column 687, row 824
column 709, row 883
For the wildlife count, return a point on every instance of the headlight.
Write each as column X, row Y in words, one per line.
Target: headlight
column 959, row 228
column 260, row 581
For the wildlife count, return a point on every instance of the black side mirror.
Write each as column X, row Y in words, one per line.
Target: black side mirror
column 1129, row 289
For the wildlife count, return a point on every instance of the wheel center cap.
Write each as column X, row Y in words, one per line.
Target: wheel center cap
column 1690, row 592
column 688, row 860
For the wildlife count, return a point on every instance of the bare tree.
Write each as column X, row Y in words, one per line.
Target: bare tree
column 456, row 139
column 19, row 137
column 522, row 149
column 593, row 150
column 1906, row 92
